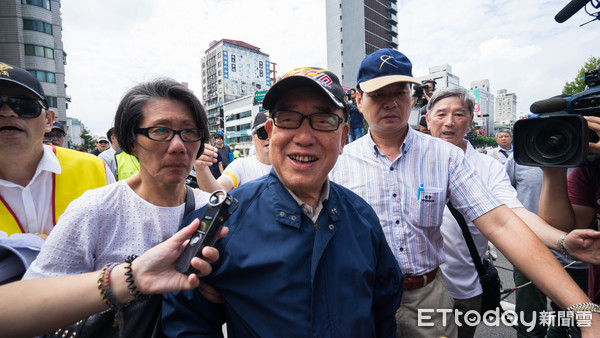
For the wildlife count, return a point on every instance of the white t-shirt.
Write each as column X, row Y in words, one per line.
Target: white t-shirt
column 105, row 225
column 108, row 156
column 245, row 169
column 32, row 204
column 459, row 270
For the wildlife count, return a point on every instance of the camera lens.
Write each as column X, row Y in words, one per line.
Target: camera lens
column 551, row 142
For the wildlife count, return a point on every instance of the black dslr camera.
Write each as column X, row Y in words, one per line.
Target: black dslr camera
column 206, row 235
column 419, row 90
column 560, row 136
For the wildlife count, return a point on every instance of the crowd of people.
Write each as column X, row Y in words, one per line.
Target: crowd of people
column 338, row 232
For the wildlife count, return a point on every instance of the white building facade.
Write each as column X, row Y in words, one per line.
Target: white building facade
column 505, row 107
column 484, row 107
column 239, row 115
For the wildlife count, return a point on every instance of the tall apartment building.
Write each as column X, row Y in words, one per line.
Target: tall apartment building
column 31, row 38
column 355, row 29
column 484, row 106
column 506, row 107
column 231, row 69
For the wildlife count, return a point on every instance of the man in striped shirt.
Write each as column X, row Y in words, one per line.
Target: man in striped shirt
column 408, row 177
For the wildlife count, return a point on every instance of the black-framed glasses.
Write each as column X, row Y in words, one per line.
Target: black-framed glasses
column 54, row 135
column 24, row 107
column 288, row 119
column 164, row 134
column 261, row 133
column 103, row 142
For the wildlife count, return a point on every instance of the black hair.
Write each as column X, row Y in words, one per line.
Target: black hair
column 110, row 132
column 433, row 83
column 131, row 109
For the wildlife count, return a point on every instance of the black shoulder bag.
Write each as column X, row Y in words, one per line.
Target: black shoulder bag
column 141, row 318
column 488, row 275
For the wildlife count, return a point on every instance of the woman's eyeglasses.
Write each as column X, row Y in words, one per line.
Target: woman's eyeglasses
column 164, row 134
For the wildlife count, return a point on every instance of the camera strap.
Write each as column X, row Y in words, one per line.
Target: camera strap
column 190, row 203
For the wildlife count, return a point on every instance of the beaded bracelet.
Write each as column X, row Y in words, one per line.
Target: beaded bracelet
column 584, row 307
column 130, row 282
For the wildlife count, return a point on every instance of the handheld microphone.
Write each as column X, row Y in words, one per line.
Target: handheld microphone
column 569, row 10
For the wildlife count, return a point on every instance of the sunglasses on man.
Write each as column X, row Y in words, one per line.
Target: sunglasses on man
column 261, row 133
column 24, row 107
column 59, row 135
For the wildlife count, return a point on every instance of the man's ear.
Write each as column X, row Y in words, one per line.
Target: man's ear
column 49, row 120
column 359, row 101
column 345, row 131
column 269, row 127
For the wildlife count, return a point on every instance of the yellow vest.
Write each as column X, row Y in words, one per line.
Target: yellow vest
column 79, row 173
column 127, row 165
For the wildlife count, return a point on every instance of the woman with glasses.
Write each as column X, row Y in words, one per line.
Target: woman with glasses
column 164, row 126
column 241, row 170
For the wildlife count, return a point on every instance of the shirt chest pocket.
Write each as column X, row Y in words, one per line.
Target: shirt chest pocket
column 429, row 208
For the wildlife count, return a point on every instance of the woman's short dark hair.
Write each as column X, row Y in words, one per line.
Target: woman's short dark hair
column 131, row 109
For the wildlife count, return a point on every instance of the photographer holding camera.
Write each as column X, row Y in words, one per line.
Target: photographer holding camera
column 573, row 201
column 566, row 136
column 422, row 94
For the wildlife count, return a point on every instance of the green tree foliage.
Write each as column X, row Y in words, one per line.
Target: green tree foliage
column 88, row 140
column 578, row 84
column 479, row 141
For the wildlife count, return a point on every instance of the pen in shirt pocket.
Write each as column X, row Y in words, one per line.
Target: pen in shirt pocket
column 419, row 191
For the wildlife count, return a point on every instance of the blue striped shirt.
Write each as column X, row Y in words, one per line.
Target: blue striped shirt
column 410, row 192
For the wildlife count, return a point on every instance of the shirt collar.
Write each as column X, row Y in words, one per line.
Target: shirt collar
column 406, row 144
column 48, row 162
column 307, row 209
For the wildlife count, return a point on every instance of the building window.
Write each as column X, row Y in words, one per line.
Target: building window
column 233, row 59
column 34, row 25
column 52, row 101
column 42, row 51
column 43, row 76
column 40, row 3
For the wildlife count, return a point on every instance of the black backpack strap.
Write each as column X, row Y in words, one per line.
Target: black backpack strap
column 190, row 203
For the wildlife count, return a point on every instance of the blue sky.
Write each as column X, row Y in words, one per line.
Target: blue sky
column 114, row 44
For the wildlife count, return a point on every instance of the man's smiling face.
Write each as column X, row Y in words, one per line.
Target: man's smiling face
column 303, row 157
